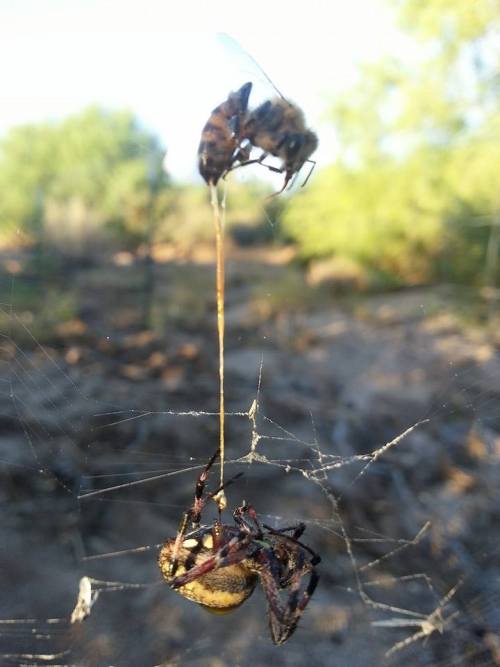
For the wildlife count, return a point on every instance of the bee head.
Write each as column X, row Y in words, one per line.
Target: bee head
column 299, row 148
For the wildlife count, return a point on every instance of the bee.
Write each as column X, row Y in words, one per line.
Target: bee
column 278, row 127
column 221, row 137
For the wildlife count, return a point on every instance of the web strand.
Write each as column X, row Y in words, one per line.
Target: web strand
column 219, row 220
column 406, row 611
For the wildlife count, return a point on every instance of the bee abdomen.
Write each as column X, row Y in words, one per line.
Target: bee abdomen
column 221, row 135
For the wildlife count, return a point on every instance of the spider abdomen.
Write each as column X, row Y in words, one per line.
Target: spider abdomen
column 220, row 590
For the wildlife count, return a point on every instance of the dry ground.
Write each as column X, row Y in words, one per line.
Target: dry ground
column 340, row 377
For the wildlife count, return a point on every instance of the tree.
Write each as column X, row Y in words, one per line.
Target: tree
column 89, row 175
column 413, row 192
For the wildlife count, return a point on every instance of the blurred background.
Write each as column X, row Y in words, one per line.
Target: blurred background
column 366, row 302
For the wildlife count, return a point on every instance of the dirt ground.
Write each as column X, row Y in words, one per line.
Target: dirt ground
column 96, row 462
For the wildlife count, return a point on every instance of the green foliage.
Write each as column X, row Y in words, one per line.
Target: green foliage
column 285, row 294
column 93, row 173
column 388, row 219
column 413, row 196
column 188, row 220
column 414, row 193
column 449, row 21
column 41, row 312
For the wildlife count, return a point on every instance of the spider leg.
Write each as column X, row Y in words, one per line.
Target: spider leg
column 283, row 619
column 199, row 501
column 193, row 515
column 296, row 530
column 238, row 516
column 231, row 553
column 293, row 538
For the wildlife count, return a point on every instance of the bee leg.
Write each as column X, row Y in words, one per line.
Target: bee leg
column 289, row 177
column 242, row 156
column 244, row 162
column 287, row 180
column 313, row 163
column 292, row 183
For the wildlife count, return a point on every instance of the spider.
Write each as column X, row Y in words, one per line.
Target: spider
column 218, row 565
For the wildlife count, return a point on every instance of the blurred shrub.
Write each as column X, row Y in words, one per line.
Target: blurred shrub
column 284, row 294
column 78, row 184
column 189, row 218
column 40, row 312
column 413, row 195
column 189, row 221
column 388, row 219
column 187, row 301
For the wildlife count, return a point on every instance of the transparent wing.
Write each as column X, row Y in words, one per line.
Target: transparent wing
column 244, row 66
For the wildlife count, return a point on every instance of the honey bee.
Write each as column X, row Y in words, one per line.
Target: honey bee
column 278, row 128
column 221, row 137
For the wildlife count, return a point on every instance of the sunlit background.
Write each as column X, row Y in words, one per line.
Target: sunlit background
column 404, row 98
column 122, row 55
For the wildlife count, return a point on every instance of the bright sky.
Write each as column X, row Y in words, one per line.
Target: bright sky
column 58, row 56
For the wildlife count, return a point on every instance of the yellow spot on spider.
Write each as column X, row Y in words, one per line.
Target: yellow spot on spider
column 190, row 543
column 208, row 541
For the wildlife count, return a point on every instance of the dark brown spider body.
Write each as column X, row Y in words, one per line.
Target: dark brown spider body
column 218, row 566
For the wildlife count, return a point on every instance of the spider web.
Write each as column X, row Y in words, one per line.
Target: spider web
column 375, row 428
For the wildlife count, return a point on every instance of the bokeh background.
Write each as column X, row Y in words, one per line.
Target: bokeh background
column 366, row 302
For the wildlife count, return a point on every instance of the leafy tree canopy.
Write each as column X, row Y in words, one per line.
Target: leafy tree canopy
column 98, row 166
column 414, row 190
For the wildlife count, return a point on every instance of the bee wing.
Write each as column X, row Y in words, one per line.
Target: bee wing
column 246, row 66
